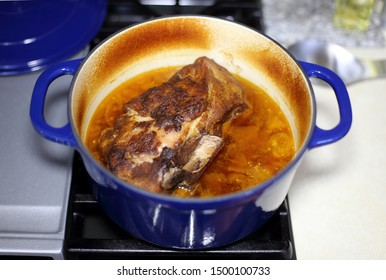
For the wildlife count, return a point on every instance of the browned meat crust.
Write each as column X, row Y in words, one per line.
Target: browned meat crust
column 167, row 136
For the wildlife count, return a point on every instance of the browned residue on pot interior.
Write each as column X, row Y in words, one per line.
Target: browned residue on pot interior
column 233, row 46
column 129, row 46
column 286, row 75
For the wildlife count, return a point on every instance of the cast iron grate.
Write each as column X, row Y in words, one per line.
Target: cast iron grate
column 122, row 13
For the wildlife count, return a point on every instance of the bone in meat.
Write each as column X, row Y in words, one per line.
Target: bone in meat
column 168, row 135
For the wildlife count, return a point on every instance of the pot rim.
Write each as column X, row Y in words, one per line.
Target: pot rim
column 192, row 202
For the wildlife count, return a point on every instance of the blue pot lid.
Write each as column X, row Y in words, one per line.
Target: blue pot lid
column 37, row 33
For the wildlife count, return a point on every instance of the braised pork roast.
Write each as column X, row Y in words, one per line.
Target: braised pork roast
column 168, row 135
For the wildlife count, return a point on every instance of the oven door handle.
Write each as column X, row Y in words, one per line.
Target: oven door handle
column 63, row 135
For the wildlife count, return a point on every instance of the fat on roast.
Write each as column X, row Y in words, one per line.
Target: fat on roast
column 168, row 135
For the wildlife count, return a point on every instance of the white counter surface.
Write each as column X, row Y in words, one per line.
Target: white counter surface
column 338, row 197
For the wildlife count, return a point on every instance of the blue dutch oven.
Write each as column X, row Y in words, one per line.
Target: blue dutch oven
column 192, row 223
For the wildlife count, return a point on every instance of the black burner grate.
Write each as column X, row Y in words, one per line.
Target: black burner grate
column 123, row 13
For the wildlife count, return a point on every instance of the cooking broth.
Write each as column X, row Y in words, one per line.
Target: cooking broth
column 258, row 143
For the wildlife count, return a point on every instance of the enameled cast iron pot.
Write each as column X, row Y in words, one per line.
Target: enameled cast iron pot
column 177, row 41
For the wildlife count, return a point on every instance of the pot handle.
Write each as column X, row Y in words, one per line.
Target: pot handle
column 62, row 135
column 320, row 136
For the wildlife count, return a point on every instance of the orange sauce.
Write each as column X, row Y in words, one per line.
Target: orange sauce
column 258, row 143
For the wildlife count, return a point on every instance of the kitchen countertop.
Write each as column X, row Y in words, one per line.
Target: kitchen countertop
column 338, row 196
column 289, row 21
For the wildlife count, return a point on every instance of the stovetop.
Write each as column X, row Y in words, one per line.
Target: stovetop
column 55, row 215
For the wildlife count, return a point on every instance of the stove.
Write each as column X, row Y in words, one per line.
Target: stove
column 56, row 216
column 123, row 13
